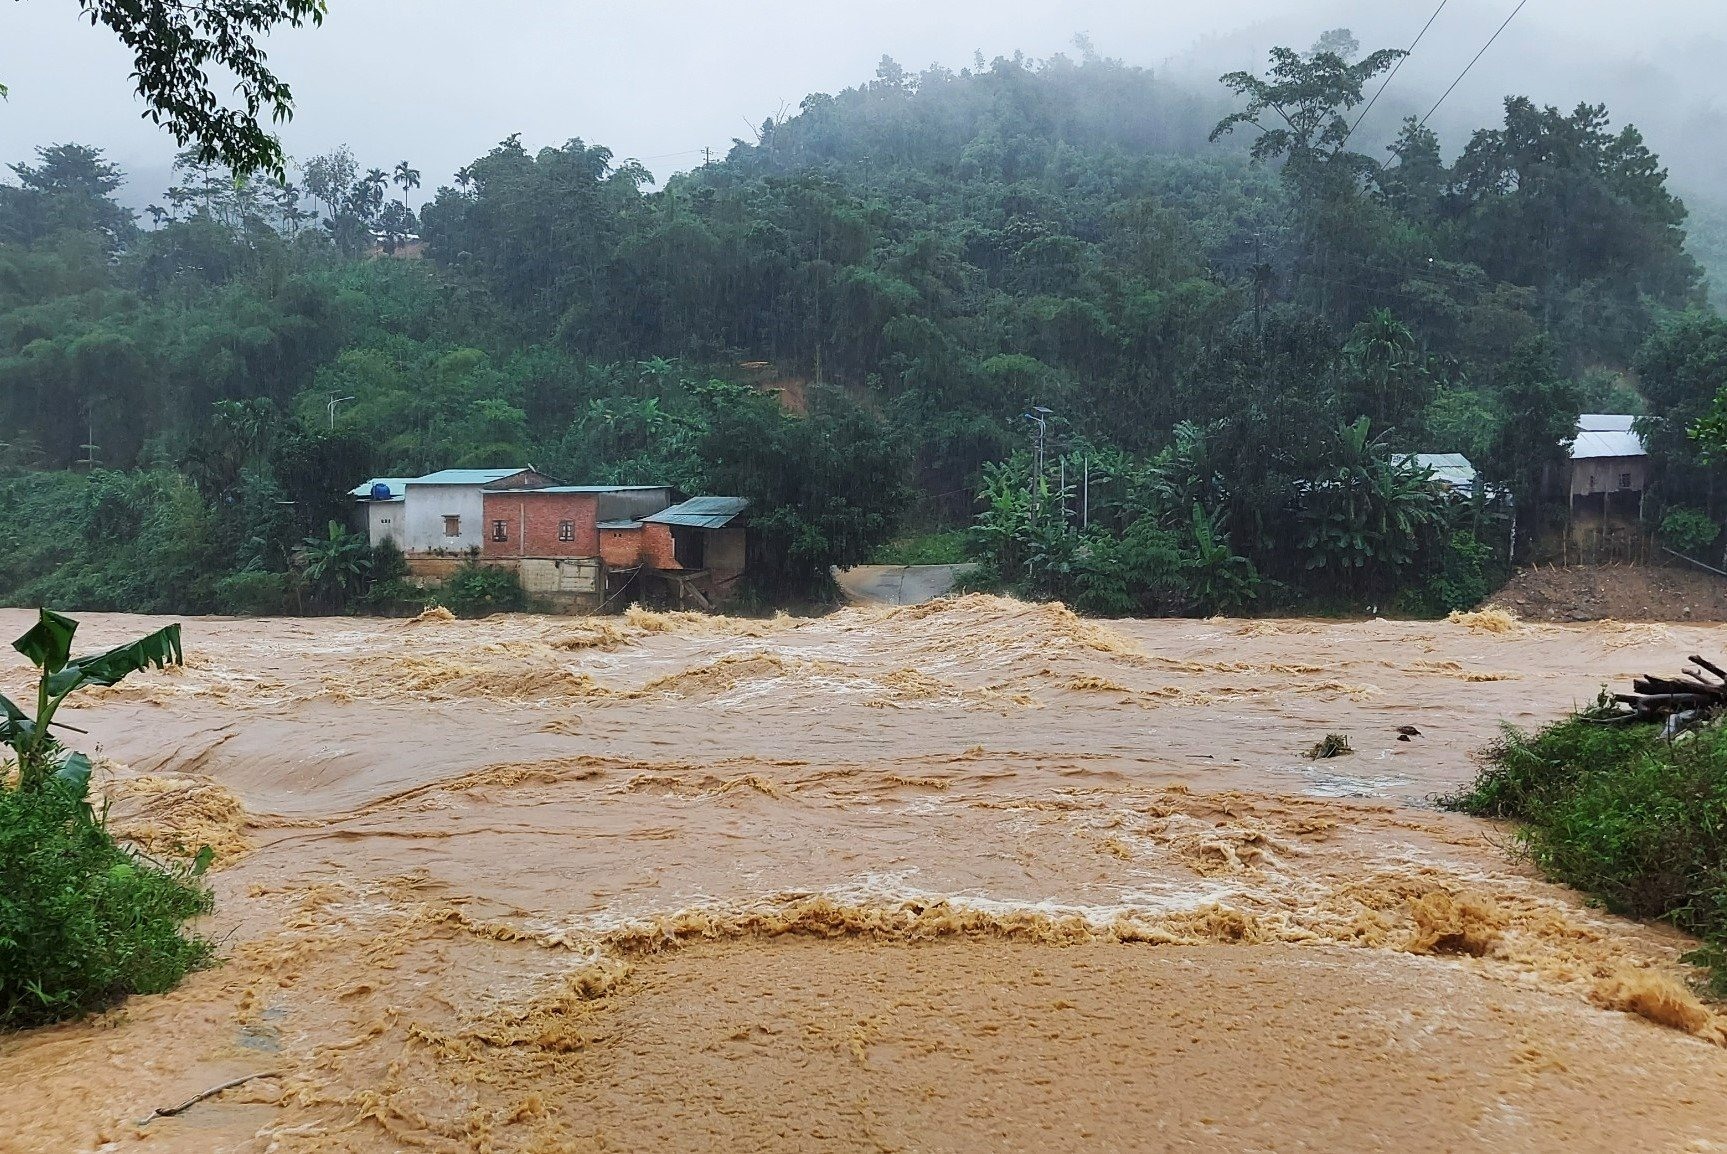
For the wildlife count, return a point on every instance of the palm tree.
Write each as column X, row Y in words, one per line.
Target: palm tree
column 407, row 178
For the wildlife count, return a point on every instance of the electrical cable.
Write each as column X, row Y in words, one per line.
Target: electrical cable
column 1407, row 53
column 1471, row 64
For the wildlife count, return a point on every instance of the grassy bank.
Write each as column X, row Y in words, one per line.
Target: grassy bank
column 1623, row 813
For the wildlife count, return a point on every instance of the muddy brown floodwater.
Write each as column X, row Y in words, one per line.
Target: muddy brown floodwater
column 973, row 875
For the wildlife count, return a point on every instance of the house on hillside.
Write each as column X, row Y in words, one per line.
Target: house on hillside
column 698, row 547
column 1609, row 468
column 1609, row 472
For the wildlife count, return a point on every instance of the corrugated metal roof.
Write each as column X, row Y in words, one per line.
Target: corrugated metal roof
column 466, row 476
column 618, row 525
column 600, row 489
column 1605, row 423
column 701, row 512
column 1451, row 469
column 396, row 484
column 1589, row 445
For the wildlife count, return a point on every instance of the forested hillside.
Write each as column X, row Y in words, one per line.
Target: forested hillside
column 1237, row 328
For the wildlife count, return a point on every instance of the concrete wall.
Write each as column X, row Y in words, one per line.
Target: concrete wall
column 532, row 524
column 1604, row 474
column 384, row 521
column 725, row 551
column 542, row 576
column 428, row 505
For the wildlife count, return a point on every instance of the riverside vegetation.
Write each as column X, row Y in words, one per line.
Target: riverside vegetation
column 84, row 920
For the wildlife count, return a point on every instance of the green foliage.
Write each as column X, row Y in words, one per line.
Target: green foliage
column 942, row 547
column 1467, row 572
column 1621, row 812
column 253, row 593
column 1689, row 531
column 1632, row 817
column 336, row 565
column 172, row 47
column 476, row 590
column 37, row 758
column 83, row 921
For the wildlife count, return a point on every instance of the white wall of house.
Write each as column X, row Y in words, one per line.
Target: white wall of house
column 384, row 522
column 428, row 507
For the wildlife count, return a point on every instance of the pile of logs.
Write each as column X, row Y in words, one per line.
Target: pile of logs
column 1678, row 701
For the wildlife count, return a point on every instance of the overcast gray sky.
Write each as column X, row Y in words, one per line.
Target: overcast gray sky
column 439, row 81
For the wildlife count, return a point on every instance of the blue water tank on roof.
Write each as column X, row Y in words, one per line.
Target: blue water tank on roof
column 380, row 492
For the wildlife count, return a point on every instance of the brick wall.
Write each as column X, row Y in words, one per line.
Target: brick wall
column 621, row 548
column 658, row 551
column 532, row 524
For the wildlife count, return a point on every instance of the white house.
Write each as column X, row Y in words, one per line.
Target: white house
column 445, row 511
column 1609, row 465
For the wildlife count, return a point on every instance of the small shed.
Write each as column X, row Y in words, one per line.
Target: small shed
column 697, row 546
column 379, row 505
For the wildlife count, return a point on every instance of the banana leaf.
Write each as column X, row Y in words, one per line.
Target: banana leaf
column 158, row 650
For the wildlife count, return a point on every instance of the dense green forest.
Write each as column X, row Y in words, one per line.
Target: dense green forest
column 1231, row 323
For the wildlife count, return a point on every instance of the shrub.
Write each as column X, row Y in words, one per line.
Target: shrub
column 84, row 921
column 253, row 594
column 942, row 547
column 1462, row 581
column 475, row 590
column 1688, row 531
column 1623, row 813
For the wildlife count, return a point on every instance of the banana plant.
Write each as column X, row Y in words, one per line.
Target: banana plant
column 41, row 760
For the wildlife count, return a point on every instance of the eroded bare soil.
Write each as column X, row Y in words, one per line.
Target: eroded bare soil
column 972, row 875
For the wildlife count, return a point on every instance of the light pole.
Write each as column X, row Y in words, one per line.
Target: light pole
column 334, row 401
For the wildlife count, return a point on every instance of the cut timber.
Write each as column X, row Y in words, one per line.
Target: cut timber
column 1690, row 694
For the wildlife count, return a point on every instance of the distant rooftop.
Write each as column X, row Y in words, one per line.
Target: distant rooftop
column 1451, row 469
column 1606, row 435
column 397, row 486
column 467, row 476
column 600, row 489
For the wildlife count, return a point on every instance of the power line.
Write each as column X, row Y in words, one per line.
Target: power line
column 1384, row 84
column 1478, row 56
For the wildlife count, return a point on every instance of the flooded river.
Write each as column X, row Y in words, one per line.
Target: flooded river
column 965, row 876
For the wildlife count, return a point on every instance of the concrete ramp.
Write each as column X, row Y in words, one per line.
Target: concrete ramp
column 898, row 584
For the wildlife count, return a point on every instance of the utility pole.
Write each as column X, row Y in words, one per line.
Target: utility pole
column 334, row 401
column 1038, row 416
column 1085, row 492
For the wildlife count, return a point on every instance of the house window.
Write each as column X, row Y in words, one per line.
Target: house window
column 1625, row 480
column 452, row 525
column 500, row 530
column 566, row 530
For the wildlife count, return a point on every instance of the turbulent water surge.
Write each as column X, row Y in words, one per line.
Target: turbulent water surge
column 971, row 875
